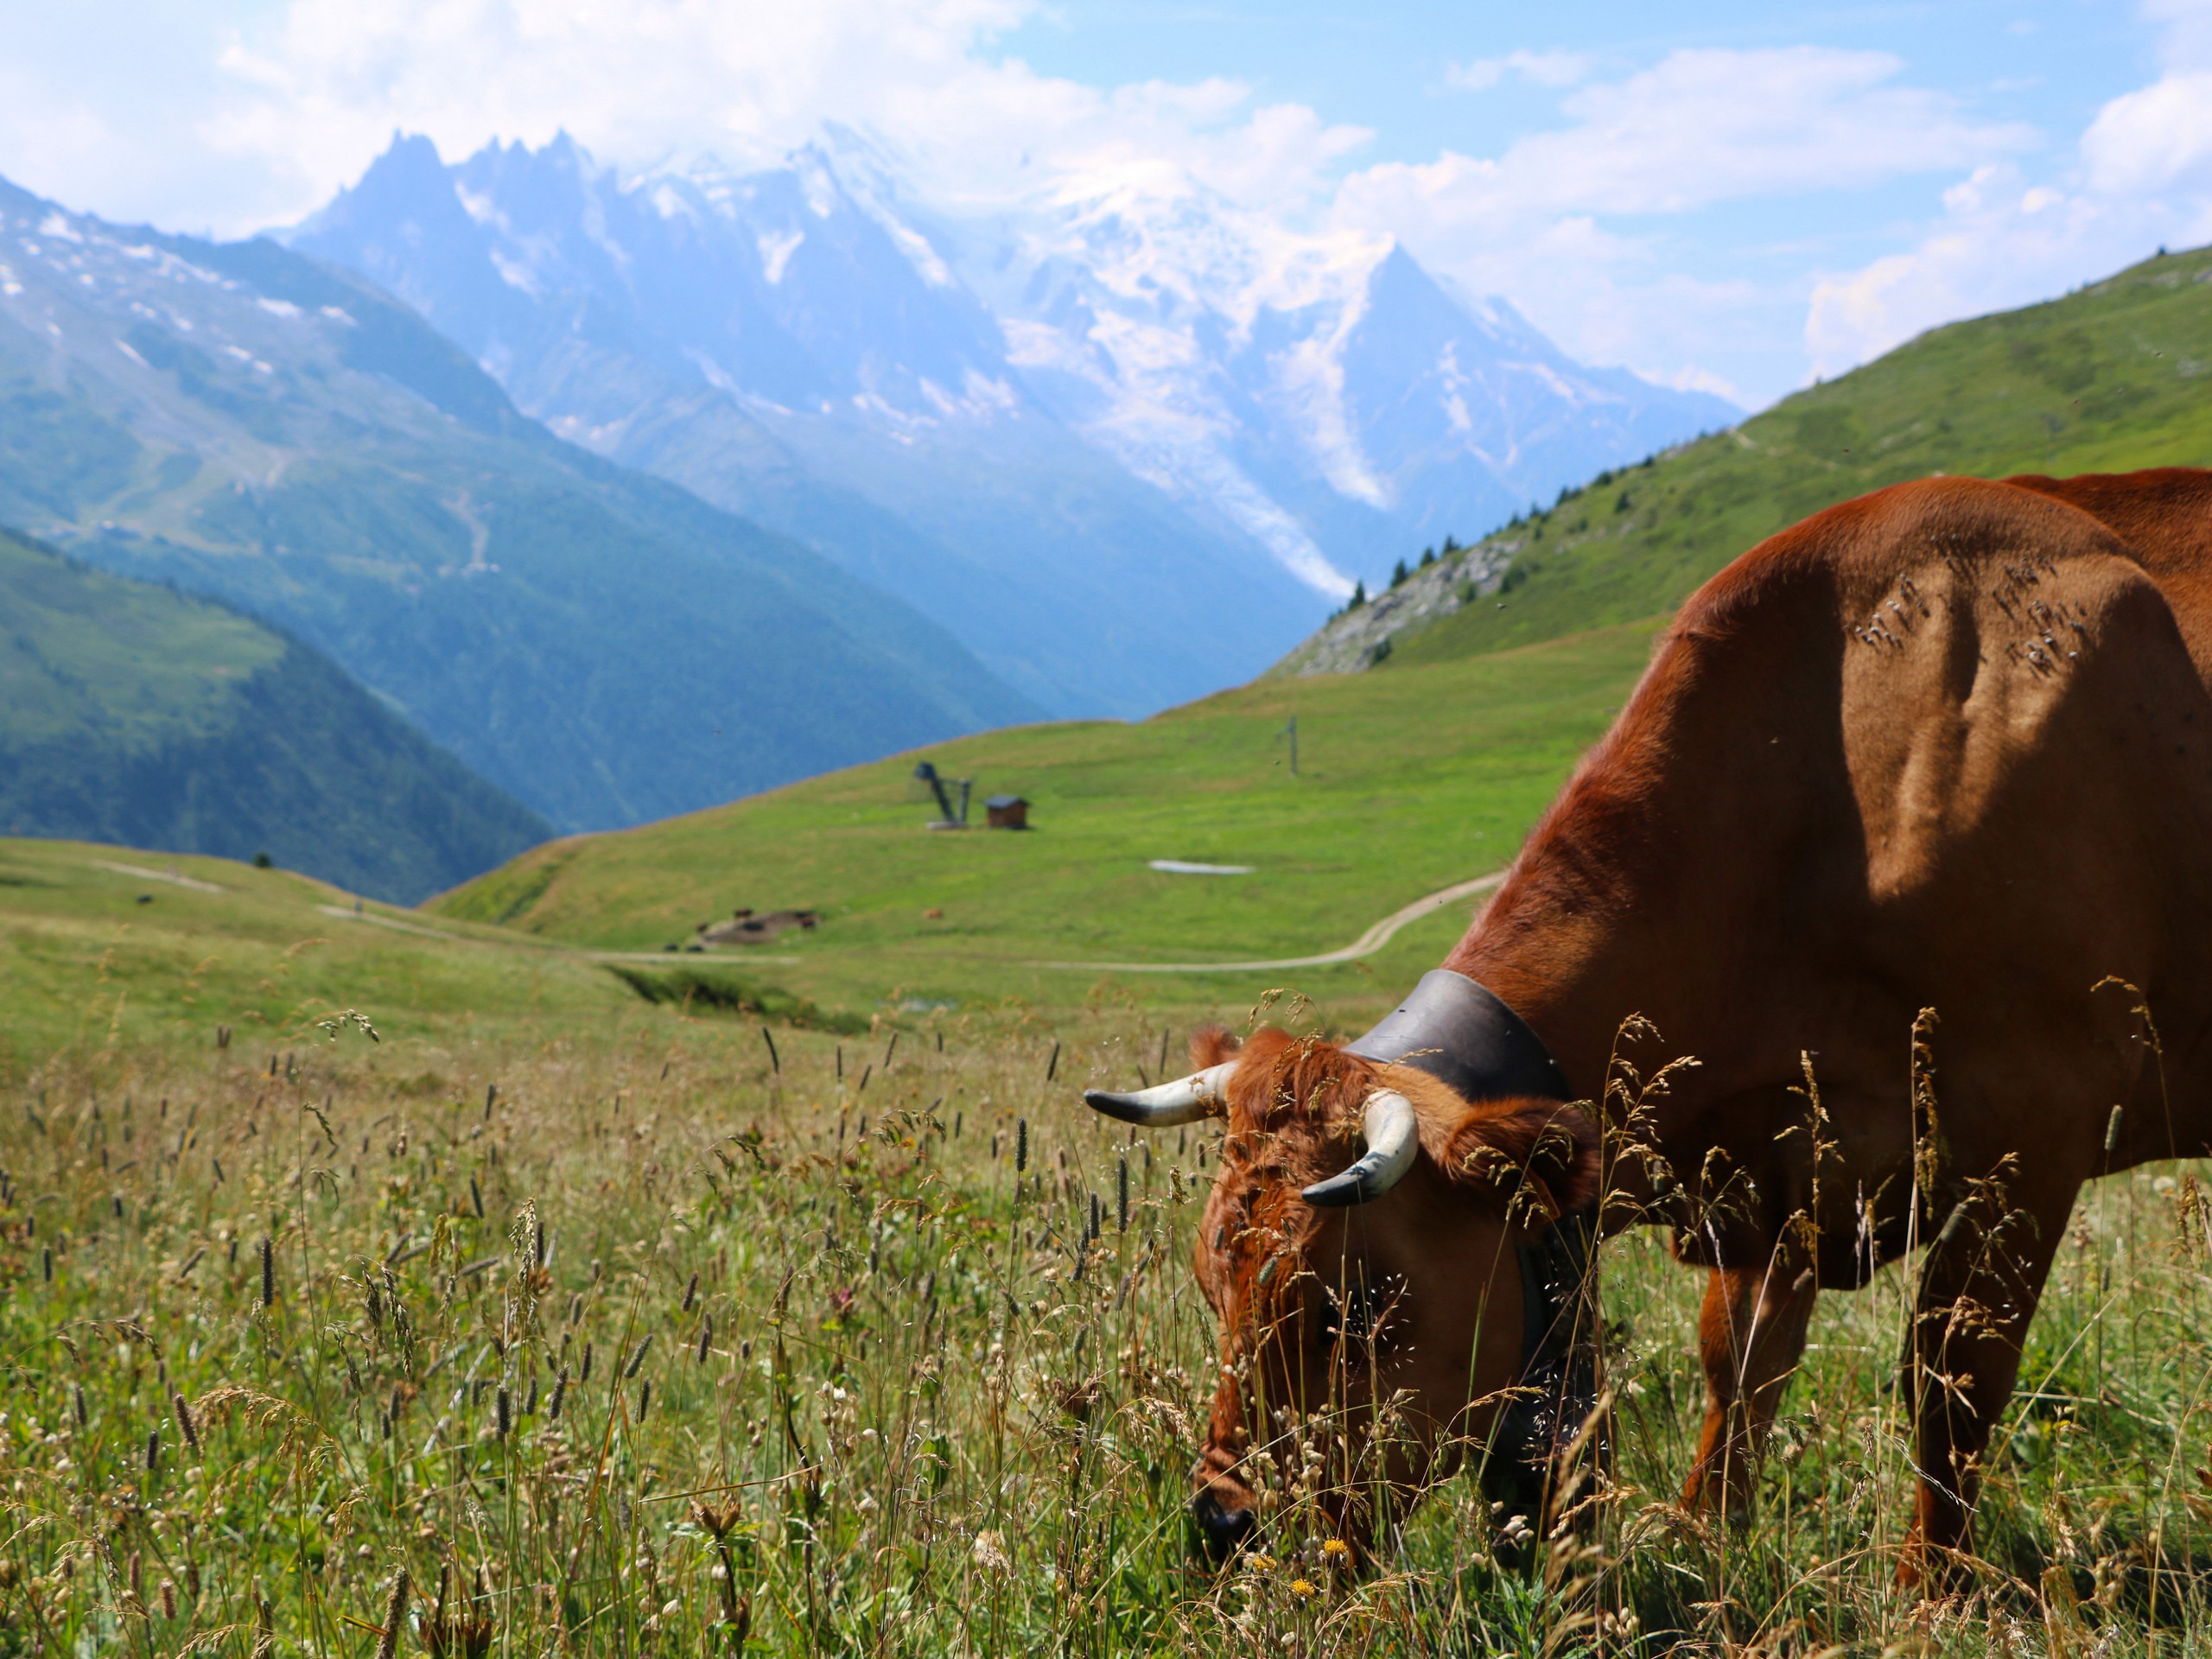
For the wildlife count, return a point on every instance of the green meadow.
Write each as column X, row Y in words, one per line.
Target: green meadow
column 1407, row 783
column 490, row 1279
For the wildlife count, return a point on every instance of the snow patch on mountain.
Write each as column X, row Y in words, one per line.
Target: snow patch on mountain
column 1122, row 384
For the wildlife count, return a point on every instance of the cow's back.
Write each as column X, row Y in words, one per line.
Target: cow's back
column 1948, row 744
column 2164, row 515
column 2025, row 706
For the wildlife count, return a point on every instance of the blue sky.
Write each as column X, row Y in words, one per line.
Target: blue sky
column 1386, row 66
column 1723, row 194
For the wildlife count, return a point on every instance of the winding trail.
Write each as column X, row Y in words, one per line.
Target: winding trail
column 1366, row 945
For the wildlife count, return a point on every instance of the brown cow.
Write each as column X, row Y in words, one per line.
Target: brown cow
column 1946, row 748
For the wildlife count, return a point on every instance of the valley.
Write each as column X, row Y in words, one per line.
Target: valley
column 135, row 714
column 243, row 422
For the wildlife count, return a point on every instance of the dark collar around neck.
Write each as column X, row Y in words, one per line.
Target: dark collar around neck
column 1464, row 1035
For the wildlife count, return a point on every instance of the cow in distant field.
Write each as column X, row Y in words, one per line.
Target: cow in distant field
column 1906, row 837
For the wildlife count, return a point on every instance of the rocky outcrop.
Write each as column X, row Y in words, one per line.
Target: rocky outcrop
column 1359, row 639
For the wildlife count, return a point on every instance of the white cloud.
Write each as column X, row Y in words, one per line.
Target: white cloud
column 321, row 86
column 1540, row 68
column 1699, row 127
column 1571, row 223
column 2140, row 178
column 319, row 90
column 2151, row 139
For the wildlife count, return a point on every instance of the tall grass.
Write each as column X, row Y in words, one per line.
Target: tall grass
column 658, row 1347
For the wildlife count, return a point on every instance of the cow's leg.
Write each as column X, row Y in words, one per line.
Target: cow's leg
column 1977, row 1290
column 1750, row 1335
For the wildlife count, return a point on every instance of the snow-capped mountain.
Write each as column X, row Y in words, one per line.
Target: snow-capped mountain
column 780, row 344
column 1323, row 392
column 1127, row 442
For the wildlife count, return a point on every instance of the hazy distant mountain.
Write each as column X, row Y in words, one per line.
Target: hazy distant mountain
column 1127, row 445
column 131, row 713
column 1322, row 391
column 242, row 421
column 791, row 354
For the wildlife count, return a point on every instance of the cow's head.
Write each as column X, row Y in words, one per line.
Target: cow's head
column 1359, row 1248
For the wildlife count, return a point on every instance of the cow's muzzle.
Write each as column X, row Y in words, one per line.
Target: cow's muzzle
column 1225, row 1522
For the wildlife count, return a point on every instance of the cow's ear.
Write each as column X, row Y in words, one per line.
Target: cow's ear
column 1539, row 1157
column 1210, row 1045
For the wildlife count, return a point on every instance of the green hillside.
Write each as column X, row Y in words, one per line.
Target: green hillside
column 108, row 949
column 133, row 714
column 606, row 647
column 2114, row 376
column 1407, row 782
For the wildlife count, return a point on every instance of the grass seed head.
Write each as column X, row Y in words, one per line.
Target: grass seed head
column 395, row 1612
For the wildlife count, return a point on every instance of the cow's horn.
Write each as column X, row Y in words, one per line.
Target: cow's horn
column 1392, row 1143
column 1187, row 1100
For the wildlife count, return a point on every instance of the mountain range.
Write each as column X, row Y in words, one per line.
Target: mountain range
column 136, row 715
column 243, row 422
column 1127, row 442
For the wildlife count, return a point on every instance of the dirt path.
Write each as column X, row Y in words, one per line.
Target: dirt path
column 1366, row 945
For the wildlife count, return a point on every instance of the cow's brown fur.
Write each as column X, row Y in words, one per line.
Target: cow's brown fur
column 1947, row 746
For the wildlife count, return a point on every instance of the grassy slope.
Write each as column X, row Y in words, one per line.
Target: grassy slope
column 1393, row 803
column 131, row 713
column 2110, row 378
column 1410, row 782
column 85, row 966
column 132, row 661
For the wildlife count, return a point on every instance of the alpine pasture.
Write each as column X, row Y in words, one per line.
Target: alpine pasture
column 384, row 1282
column 489, row 1278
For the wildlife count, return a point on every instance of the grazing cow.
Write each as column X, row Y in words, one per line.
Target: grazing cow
column 1906, row 837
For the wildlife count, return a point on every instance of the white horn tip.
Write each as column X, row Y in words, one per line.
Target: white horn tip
column 1393, row 1134
column 1187, row 1100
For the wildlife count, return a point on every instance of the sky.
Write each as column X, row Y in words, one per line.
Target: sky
column 1716, row 194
